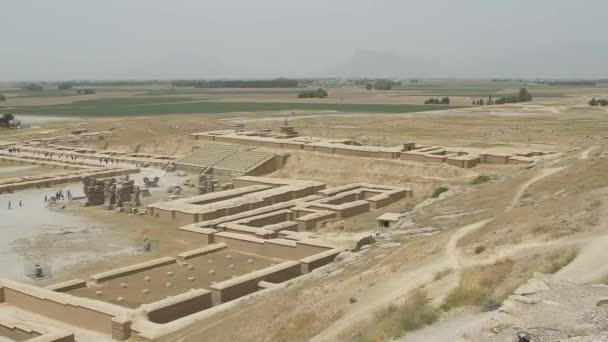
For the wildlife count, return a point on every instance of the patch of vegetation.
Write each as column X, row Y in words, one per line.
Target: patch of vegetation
column 163, row 106
column 276, row 83
column 384, row 84
column 439, row 191
column 2, row 97
column 595, row 102
column 444, row 100
column 479, row 249
column 477, row 286
column 480, row 179
column 5, row 120
column 319, row 93
column 444, row 272
column 66, row 85
column 85, row 91
column 33, row 87
column 522, row 96
column 557, row 259
column 395, row 321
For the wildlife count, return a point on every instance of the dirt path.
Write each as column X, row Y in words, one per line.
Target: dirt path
column 399, row 286
column 522, row 189
column 590, row 264
column 450, row 330
column 585, row 153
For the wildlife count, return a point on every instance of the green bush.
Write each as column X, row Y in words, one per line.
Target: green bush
column 320, row 93
column 480, row 179
column 439, row 191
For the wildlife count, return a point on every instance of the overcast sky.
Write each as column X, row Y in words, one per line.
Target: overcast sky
column 109, row 39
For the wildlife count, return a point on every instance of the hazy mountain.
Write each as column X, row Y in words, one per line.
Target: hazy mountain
column 373, row 64
column 183, row 66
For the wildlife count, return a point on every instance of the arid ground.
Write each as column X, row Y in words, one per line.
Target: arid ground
column 447, row 272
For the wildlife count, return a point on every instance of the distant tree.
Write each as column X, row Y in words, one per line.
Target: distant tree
column 383, row 85
column 88, row 91
column 369, row 86
column 65, row 85
column 320, row 93
column 5, row 120
column 79, row 91
column 524, row 95
column 593, row 102
column 33, row 87
column 2, row 97
column 445, row 100
column 481, row 102
column 603, row 102
column 474, row 103
column 490, row 102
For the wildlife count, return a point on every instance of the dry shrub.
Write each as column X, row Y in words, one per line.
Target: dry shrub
column 296, row 329
column 395, row 321
column 541, row 229
column 477, row 286
column 442, row 273
column 557, row 259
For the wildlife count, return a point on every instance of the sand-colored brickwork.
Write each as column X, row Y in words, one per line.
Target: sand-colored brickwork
column 409, row 151
column 71, row 171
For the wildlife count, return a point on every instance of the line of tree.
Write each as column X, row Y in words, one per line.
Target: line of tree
column 595, row 102
column 111, row 83
column 276, row 83
column 573, row 83
column 320, row 93
column 444, row 100
column 66, row 85
column 33, row 87
column 85, row 91
column 384, row 84
column 6, row 119
column 522, row 96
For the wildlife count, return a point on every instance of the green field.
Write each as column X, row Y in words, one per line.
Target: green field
column 163, row 106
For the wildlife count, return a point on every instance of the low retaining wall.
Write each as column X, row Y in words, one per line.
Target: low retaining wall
column 179, row 306
column 132, row 269
column 320, row 259
column 67, row 285
column 240, row 286
column 85, row 313
column 201, row 251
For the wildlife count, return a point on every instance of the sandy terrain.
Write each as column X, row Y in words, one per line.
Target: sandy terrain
column 523, row 215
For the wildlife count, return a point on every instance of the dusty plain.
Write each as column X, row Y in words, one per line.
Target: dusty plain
column 466, row 251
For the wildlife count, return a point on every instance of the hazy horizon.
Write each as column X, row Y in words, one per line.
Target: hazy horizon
column 152, row 39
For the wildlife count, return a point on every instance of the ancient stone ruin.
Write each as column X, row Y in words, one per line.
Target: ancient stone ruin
column 111, row 193
column 151, row 182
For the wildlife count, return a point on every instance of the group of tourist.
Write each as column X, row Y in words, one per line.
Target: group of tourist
column 10, row 204
column 71, row 156
column 59, row 195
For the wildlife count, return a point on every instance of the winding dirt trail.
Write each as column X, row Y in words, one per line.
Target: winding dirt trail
column 397, row 287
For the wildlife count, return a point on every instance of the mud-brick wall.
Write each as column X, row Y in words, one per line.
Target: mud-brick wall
column 241, row 286
column 75, row 315
column 177, row 309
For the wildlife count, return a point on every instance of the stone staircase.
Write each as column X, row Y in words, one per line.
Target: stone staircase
column 244, row 161
column 230, row 158
column 208, row 155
